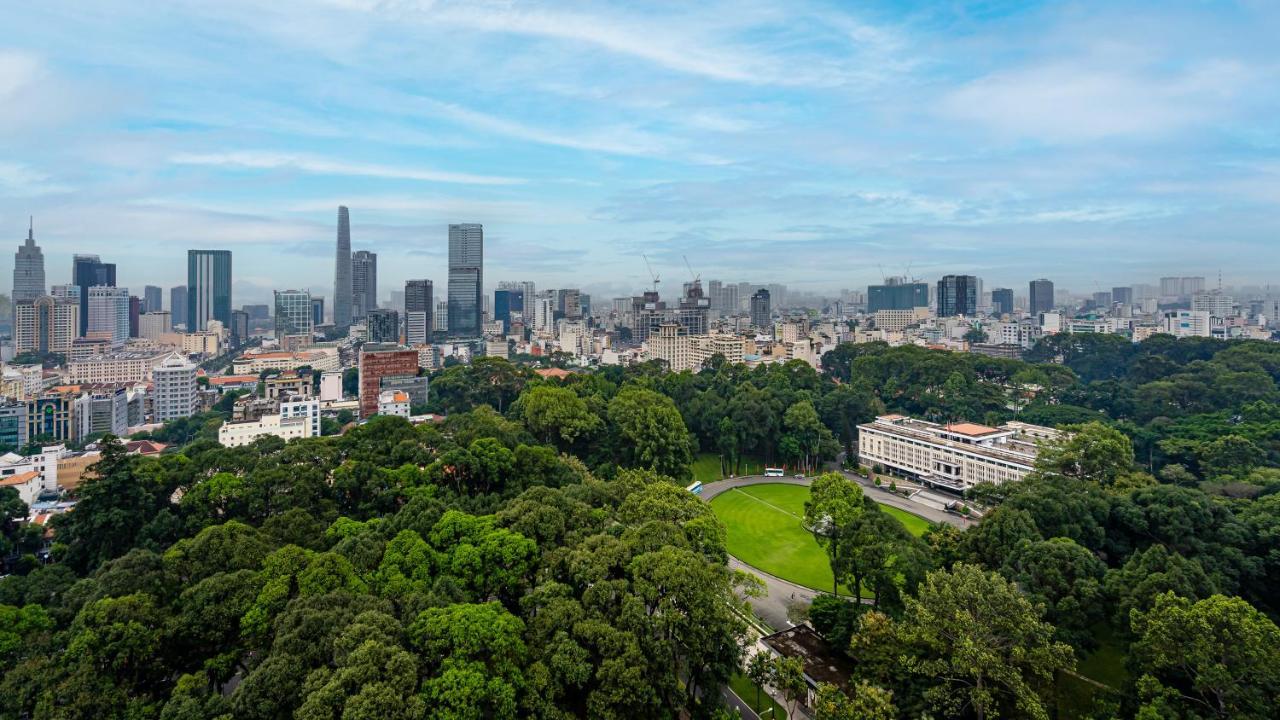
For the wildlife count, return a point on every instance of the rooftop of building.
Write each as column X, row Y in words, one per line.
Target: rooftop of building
column 558, row 373
column 1012, row 442
column 19, row 479
column 121, row 355
column 972, row 429
column 144, row 447
column 822, row 663
column 223, row 380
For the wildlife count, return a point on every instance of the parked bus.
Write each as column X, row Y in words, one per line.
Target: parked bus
column 695, row 487
column 774, row 472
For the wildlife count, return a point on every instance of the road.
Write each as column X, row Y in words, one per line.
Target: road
column 772, row 608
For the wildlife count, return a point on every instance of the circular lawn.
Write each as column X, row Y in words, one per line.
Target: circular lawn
column 763, row 526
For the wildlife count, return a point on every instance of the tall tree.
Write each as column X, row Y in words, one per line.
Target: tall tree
column 1218, row 657
column 650, row 432
column 830, row 513
column 984, row 642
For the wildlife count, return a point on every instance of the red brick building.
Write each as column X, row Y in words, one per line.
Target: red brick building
column 380, row 361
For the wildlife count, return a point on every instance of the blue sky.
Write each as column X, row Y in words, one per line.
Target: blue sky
column 810, row 143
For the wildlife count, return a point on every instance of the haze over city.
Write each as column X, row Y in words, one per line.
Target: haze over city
column 820, row 145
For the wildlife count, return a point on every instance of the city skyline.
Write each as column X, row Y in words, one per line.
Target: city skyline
column 1006, row 141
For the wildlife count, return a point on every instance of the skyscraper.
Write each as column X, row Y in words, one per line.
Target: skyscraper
column 135, row 311
column 761, row 313
column 89, row 271
column 957, row 295
column 364, row 284
column 1122, row 295
column 152, row 299
column 1041, row 299
column 466, row 279
column 293, row 316
column 418, row 312
column 28, row 269
column 45, row 325
column 1002, row 301
column 178, row 304
column 897, row 294
column 505, row 302
column 208, row 288
column 382, row 326
column 342, row 272
column 317, row 311
column 108, row 313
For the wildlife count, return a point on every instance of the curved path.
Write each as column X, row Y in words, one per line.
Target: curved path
column 772, row 608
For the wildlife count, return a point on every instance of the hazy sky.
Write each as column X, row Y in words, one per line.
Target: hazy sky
column 801, row 142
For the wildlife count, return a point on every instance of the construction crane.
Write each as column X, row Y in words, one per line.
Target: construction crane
column 697, row 277
column 652, row 274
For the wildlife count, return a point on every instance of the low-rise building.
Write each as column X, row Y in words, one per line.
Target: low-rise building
column 253, row 363
column 393, row 402
column 121, row 367
column 955, row 456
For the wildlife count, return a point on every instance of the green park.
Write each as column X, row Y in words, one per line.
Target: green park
column 765, row 529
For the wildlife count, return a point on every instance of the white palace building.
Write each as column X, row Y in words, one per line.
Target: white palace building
column 956, row 456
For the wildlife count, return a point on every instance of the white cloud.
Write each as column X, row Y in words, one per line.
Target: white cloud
column 18, row 180
column 617, row 140
column 17, row 71
column 1088, row 100
column 323, row 166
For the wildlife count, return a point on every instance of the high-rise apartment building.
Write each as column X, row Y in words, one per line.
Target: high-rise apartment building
column 896, row 293
column 342, row 272
column 1041, row 297
column 1214, row 303
column 108, row 314
column 761, row 312
column 28, row 270
column 364, row 283
column 382, row 326
column 176, row 392
column 1122, row 295
column 957, row 295
column 178, row 305
column 466, row 279
column 152, row 299
column 418, row 311
column 45, row 325
column 1181, row 287
column 293, row 317
column 1102, row 300
column 1002, row 301
column 208, row 288
column 89, row 271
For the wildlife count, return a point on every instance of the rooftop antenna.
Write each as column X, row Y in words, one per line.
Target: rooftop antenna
column 652, row 274
column 31, row 230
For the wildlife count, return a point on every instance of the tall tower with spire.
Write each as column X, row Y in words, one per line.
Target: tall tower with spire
column 342, row 272
column 28, row 269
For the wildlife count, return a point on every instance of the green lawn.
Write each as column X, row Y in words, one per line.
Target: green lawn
column 706, row 467
column 763, row 529
column 745, row 689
